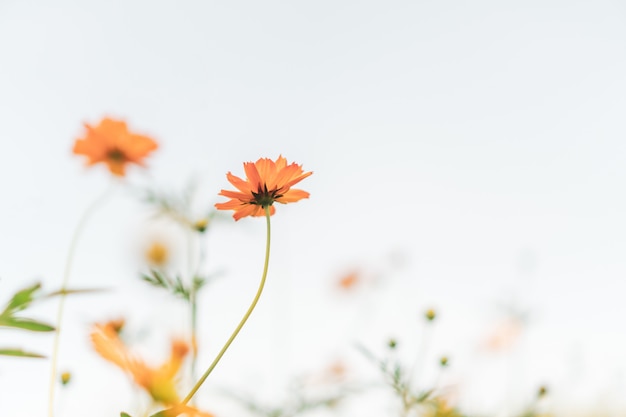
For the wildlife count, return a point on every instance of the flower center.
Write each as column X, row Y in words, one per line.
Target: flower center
column 265, row 198
column 116, row 155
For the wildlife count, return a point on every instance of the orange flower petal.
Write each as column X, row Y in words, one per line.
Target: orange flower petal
column 235, row 194
column 254, row 179
column 297, row 179
column 137, row 147
column 248, row 210
column 266, row 169
column 281, row 163
column 287, row 174
column 179, row 409
column 292, row 196
column 116, row 167
column 107, row 343
column 233, row 204
column 240, row 184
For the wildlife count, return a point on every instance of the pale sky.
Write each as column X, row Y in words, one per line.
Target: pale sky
column 483, row 143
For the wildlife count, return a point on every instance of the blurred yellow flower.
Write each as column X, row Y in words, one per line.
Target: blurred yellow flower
column 157, row 254
column 267, row 182
column 439, row 407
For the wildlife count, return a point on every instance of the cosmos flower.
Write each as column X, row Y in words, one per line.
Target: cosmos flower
column 111, row 142
column 504, row 335
column 159, row 382
column 267, row 182
column 349, row 281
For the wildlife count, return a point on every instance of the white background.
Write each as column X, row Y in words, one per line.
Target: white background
column 467, row 155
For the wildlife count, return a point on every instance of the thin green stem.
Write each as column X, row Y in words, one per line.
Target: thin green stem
column 245, row 317
column 61, row 308
column 194, row 332
column 191, row 271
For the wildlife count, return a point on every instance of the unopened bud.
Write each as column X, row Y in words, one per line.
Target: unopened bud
column 430, row 314
column 201, row 225
column 65, row 378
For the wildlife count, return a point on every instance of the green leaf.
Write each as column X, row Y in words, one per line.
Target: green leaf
column 21, row 299
column 424, row 395
column 198, row 282
column 159, row 276
column 180, row 289
column 174, row 285
column 149, row 279
column 123, row 414
column 19, row 352
column 25, row 324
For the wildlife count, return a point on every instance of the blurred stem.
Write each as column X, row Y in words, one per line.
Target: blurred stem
column 422, row 352
column 66, row 276
column 245, row 317
column 193, row 304
column 194, row 332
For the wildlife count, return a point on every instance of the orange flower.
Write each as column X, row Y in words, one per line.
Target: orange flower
column 111, row 142
column 505, row 334
column 267, row 182
column 186, row 410
column 159, row 382
column 349, row 281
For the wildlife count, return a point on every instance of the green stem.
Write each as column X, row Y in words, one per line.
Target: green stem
column 245, row 317
column 194, row 332
column 61, row 308
column 192, row 303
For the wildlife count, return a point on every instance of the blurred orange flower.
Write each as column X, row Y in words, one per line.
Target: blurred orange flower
column 504, row 335
column 159, row 382
column 111, row 142
column 267, row 182
column 349, row 281
column 186, row 410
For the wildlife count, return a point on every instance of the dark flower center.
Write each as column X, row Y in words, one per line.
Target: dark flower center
column 116, row 155
column 265, row 198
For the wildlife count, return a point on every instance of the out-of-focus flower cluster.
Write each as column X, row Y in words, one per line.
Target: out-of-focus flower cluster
column 165, row 386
